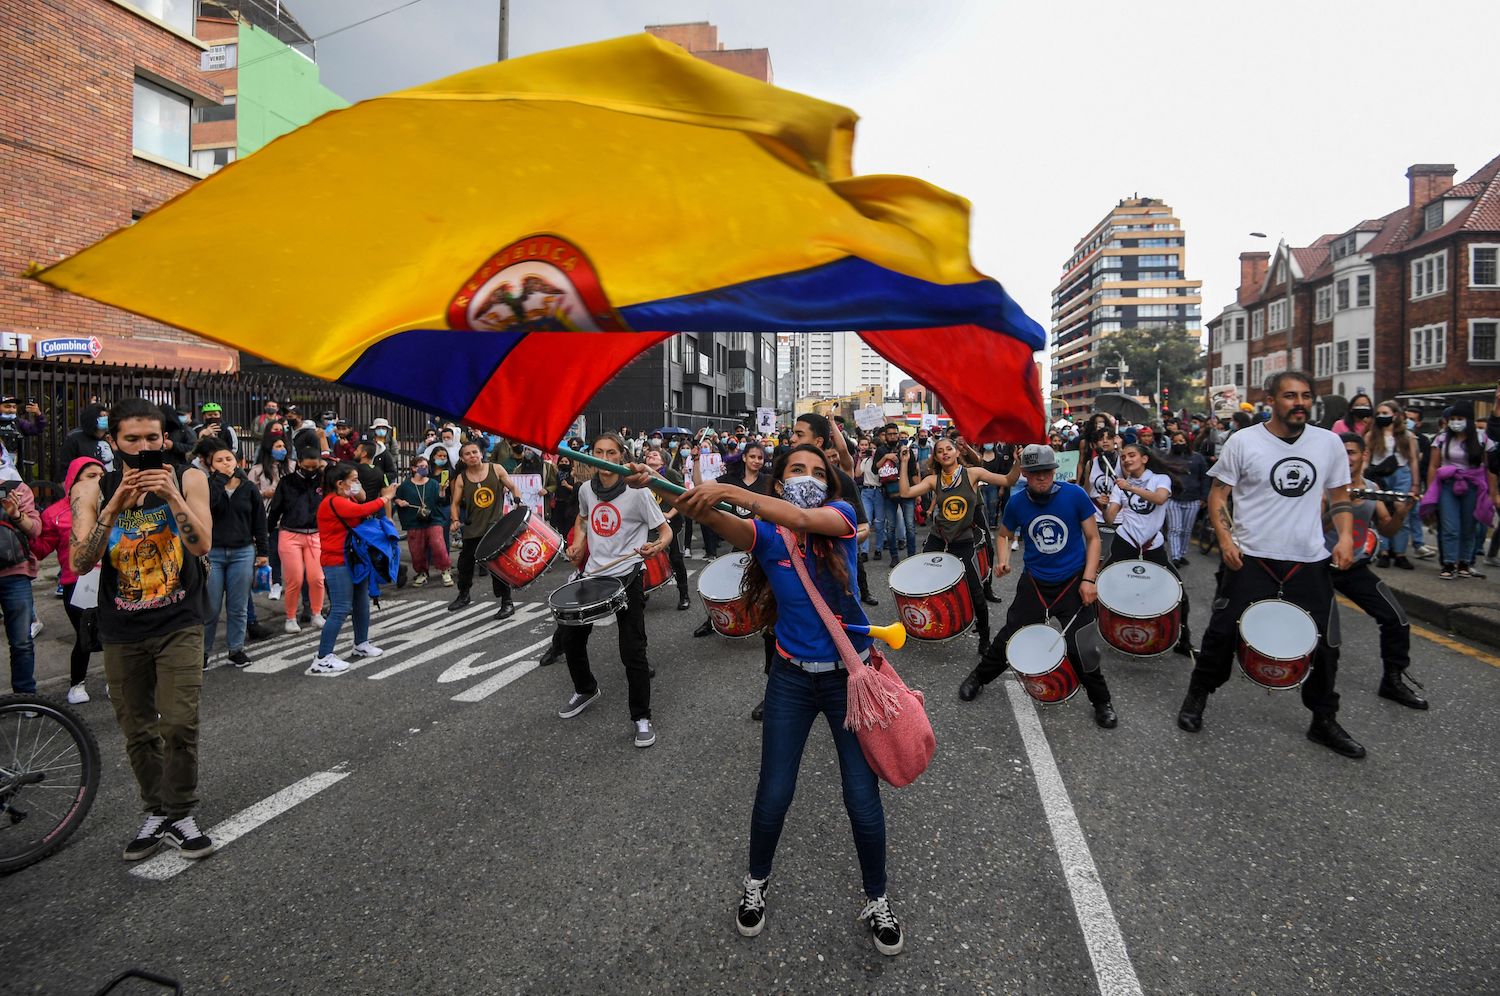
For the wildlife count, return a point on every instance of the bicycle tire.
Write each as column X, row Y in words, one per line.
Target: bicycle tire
column 46, row 709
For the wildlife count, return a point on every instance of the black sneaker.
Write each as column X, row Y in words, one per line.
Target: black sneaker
column 884, row 927
column 239, row 658
column 147, row 840
column 750, row 917
column 184, row 835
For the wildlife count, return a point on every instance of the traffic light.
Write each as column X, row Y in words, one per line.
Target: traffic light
column 1111, row 375
column 1166, row 401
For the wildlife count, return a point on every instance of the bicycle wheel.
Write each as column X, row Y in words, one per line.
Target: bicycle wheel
column 49, row 773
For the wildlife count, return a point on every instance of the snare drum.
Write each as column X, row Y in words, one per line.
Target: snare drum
column 932, row 595
column 519, row 548
column 587, row 600
column 729, row 612
column 1139, row 606
column 1277, row 642
column 658, row 570
column 1039, row 655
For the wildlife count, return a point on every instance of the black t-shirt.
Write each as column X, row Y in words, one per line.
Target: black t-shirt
column 370, row 478
column 849, row 493
column 762, row 486
column 149, row 584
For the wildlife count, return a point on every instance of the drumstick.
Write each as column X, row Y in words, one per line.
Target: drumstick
column 658, row 482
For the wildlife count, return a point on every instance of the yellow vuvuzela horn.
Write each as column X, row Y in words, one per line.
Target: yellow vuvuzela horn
column 894, row 634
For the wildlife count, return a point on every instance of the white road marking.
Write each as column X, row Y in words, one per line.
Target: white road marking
column 494, row 683
column 1101, row 931
column 442, row 642
column 268, row 651
column 300, row 654
column 168, row 862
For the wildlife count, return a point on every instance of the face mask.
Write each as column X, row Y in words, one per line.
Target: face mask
column 7, row 416
column 380, row 433
column 307, row 473
column 131, row 460
column 419, row 472
column 356, row 492
column 271, row 412
column 278, row 453
column 672, row 445
column 989, row 447
column 102, row 422
column 1360, row 412
column 1457, row 424
column 1411, row 425
column 440, row 461
column 1178, row 449
column 1384, row 419
column 804, row 491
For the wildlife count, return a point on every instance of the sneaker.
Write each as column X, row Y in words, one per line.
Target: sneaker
column 147, row 840
column 239, row 658
column 59, row 593
column 275, row 593
column 884, row 927
column 367, row 649
column 645, row 734
column 184, row 835
column 750, row 916
column 1469, row 572
column 447, row 579
column 36, row 628
column 318, row 620
column 78, row 695
column 1492, row 561
column 292, row 627
column 577, row 703
column 419, row 581
column 332, row 664
column 1400, row 561
column 1015, row 544
column 1424, row 553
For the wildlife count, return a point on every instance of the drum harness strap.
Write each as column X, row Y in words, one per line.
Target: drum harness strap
column 1047, row 606
column 1280, row 582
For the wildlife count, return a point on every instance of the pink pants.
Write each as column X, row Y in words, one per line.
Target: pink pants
column 299, row 561
column 425, row 542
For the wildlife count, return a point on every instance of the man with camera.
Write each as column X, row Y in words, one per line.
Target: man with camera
column 213, row 425
column 14, row 429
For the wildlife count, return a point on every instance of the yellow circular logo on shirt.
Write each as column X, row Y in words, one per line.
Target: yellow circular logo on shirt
column 484, row 497
column 955, row 508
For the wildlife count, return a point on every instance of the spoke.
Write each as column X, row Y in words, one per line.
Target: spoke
column 70, row 747
column 38, row 746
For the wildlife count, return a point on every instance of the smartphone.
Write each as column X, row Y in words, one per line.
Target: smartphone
column 150, row 460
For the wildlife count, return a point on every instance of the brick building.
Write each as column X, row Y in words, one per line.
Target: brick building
column 1406, row 305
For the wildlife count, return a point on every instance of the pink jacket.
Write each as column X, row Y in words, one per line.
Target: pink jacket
column 57, row 524
column 26, row 503
column 1461, row 479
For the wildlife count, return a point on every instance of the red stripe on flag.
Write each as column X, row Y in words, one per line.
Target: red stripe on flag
column 986, row 380
column 548, row 378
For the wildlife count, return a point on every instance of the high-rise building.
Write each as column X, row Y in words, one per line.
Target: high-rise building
column 831, row 364
column 1128, row 272
column 696, row 379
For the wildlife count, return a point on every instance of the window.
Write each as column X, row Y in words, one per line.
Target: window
column 1239, row 328
column 1239, row 374
column 1342, row 247
column 1343, row 295
column 209, row 160
column 178, row 13
column 1277, row 316
column 162, row 122
column 1429, row 345
column 219, row 57
column 1257, row 370
column 1432, row 216
column 1258, row 324
column 1322, row 359
column 1362, row 354
column 1429, row 275
column 1362, row 291
column 674, row 349
column 1157, row 311
column 1323, row 304
column 1483, row 335
column 690, row 359
column 676, row 401
column 1484, row 266
column 1341, row 356
column 1297, row 358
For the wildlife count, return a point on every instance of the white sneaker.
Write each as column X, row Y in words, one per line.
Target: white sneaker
column 447, row 579
column 419, row 581
column 331, row 664
column 367, row 649
column 275, row 593
column 292, row 627
column 78, row 695
column 318, row 620
column 36, row 627
column 645, row 734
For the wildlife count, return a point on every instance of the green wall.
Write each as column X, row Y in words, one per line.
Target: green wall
column 278, row 90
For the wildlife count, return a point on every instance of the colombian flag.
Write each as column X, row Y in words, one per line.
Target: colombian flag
column 496, row 245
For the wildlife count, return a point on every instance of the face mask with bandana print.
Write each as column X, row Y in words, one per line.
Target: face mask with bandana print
column 804, row 491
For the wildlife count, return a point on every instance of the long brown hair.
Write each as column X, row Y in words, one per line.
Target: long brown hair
column 1375, row 434
column 826, row 556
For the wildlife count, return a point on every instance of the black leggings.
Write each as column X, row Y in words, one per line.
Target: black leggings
column 1123, row 549
column 466, row 571
column 79, row 661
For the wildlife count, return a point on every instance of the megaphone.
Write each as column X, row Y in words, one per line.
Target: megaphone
column 893, row 634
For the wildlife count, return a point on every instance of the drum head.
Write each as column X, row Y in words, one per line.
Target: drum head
column 720, row 580
column 1279, row 630
column 501, row 534
column 1139, row 589
column 584, row 592
column 926, row 574
column 1035, row 649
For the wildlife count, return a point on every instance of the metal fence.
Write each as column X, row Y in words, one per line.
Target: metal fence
column 63, row 389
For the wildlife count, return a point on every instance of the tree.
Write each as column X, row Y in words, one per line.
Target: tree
column 1174, row 347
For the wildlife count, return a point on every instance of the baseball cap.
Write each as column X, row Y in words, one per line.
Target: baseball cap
column 1038, row 456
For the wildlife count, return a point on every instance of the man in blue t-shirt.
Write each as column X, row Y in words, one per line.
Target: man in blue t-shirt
column 1055, row 520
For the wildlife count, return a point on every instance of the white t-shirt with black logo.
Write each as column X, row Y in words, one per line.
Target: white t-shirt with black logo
column 616, row 527
column 1139, row 520
column 1278, row 490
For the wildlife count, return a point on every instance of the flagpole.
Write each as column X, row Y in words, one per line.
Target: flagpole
column 504, row 30
column 657, row 482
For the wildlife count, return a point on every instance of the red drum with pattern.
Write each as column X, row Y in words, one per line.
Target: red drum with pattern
column 932, row 596
column 982, row 556
column 1039, row 655
column 519, row 548
column 728, row 611
column 1139, row 607
column 658, row 570
column 1277, row 642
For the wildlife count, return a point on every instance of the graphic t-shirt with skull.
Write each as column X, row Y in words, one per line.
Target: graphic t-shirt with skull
column 1278, row 490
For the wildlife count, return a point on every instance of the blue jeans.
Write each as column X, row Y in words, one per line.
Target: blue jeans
column 897, row 509
column 990, row 495
column 344, row 597
column 793, row 700
column 229, row 573
column 1456, row 525
column 16, row 607
column 1396, row 545
column 875, row 515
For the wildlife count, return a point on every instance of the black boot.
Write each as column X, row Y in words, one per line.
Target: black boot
column 989, row 593
column 550, row 656
column 461, row 602
column 704, row 629
column 1325, row 730
column 970, row 686
column 507, row 609
column 1190, row 716
column 1393, row 687
column 1104, row 715
column 759, row 712
column 683, row 604
column 1184, row 646
column 868, row 598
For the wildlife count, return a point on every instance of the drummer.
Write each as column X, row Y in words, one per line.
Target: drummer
column 1137, row 509
column 657, row 462
column 1360, row 585
column 956, row 508
column 1056, row 520
column 614, row 521
column 1279, row 473
column 1097, row 475
column 476, row 491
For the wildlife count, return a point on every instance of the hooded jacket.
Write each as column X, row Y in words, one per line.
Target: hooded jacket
column 294, row 506
column 57, row 523
column 82, row 441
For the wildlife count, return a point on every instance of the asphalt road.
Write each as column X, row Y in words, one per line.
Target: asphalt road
column 432, row 826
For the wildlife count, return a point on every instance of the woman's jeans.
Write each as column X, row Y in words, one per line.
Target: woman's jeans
column 16, row 607
column 1456, row 525
column 229, row 575
column 793, row 700
column 1396, row 545
column 344, row 597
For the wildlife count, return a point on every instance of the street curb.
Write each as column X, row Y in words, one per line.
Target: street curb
column 1475, row 621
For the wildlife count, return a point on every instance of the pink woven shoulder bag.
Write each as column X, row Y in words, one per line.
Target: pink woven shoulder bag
column 888, row 718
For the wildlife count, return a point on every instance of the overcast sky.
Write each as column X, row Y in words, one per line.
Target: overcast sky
column 1289, row 118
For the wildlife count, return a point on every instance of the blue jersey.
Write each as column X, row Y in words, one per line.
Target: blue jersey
column 1052, row 530
column 800, row 632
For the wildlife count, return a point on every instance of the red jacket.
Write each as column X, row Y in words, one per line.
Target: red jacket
column 332, row 533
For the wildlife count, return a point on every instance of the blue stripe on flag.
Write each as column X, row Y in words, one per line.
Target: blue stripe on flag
column 440, row 370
